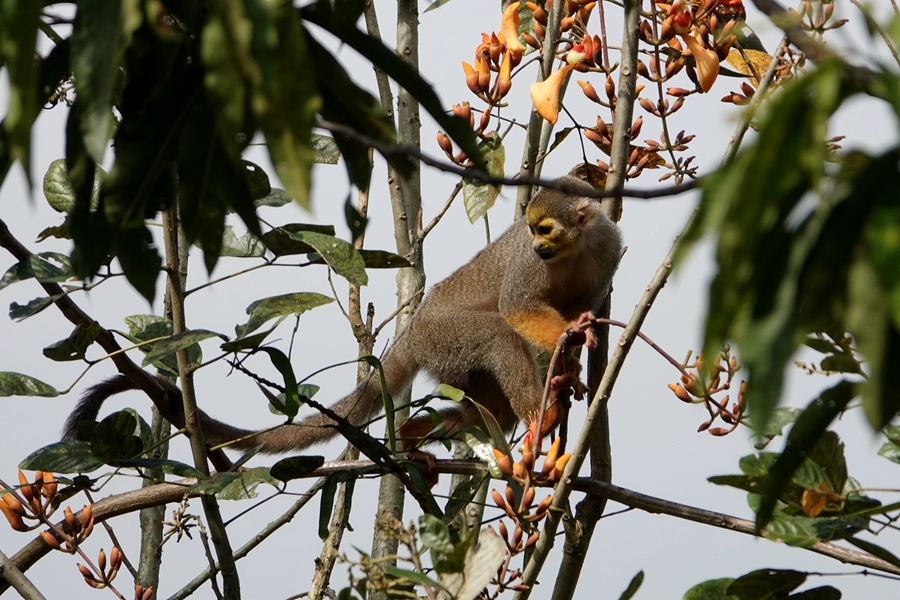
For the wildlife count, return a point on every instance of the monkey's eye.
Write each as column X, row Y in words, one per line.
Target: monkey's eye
column 544, row 230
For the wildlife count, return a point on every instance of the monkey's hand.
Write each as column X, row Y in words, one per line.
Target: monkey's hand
column 568, row 375
column 429, row 466
column 581, row 333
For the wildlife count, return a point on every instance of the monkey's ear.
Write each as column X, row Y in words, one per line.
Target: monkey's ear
column 585, row 208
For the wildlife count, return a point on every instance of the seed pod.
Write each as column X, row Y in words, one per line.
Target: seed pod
column 646, row 32
column 85, row 572
column 517, row 536
column 602, row 129
column 498, row 499
column 603, row 166
column 679, row 102
column 589, row 91
column 647, row 105
column 444, row 142
column 527, row 499
column 678, row 92
column 642, row 69
column 539, row 31
column 719, row 431
column 610, row 88
column 531, row 41
column 504, row 532
column 115, row 558
column 532, row 539
column 71, row 521
column 538, row 12
column 510, row 497
column 747, row 89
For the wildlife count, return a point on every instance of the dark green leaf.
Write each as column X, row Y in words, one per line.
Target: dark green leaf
column 385, row 399
column 414, row 576
column 18, row 38
column 294, row 100
column 443, row 390
column 281, row 243
column 633, row 587
column 399, row 70
column 140, row 261
column 436, row 4
column 62, row 457
column 19, row 312
column 261, row 311
column 766, row 584
column 875, row 550
column 825, row 592
column 355, row 221
column 98, row 42
column 16, row 384
column 893, row 433
column 805, row 433
column 781, row 417
column 150, row 327
column 295, row 467
column 329, row 489
column 382, row 259
column 292, row 395
column 560, row 136
column 257, row 180
column 250, row 341
column 840, row 363
column 39, row 266
column 462, row 495
column 74, row 346
column 114, row 440
column 714, row 589
column 178, row 342
column 244, row 487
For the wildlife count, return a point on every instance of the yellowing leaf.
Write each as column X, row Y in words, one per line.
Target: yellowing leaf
column 758, row 60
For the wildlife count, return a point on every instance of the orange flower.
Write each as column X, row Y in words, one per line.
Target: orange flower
column 545, row 94
column 509, row 28
column 707, row 60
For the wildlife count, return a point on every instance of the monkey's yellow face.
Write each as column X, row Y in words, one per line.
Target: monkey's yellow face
column 549, row 238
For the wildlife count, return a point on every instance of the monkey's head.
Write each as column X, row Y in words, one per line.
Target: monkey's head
column 556, row 220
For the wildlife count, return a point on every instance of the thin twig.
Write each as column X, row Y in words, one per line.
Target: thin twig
column 521, row 180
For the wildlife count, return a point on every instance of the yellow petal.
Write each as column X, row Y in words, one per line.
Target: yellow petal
column 545, row 94
column 707, row 62
column 509, row 27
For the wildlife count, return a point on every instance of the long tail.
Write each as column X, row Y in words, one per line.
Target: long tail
column 359, row 407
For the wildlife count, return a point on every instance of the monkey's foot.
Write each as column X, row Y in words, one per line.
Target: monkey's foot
column 429, row 470
column 581, row 332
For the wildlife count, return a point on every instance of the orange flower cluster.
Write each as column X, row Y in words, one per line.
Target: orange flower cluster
column 37, row 505
column 498, row 53
column 106, row 577
column 693, row 390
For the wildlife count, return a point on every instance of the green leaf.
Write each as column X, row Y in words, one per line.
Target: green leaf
column 326, row 504
column 150, row 327
column 780, row 417
column 257, row 180
column 276, row 197
column 250, row 341
column 841, row 363
column 98, row 43
column 825, row 592
column 58, row 188
column 558, row 139
column 166, row 466
column 212, row 182
column 339, row 254
column 382, row 259
column 806, row 432
column 869, row 320
column 114, row 441
column 436, row 4
column 713, row 589
column 327, row 152
column 178, row 342
column 462, row 495
column 74, row 346
column 890, row 451
column 213, row 485
column 435, row 534
column 883, row 238
column 246, row 246
column 295, row 467
column 293, row 103
column 291, row 393
column 479, row 197
column 875, row 550
column 41, row 267
column 16, row 384
column 633, row 587
column 20, row 312
column 262, row 311
column 481, row 565
column 766, row 584
column 762, row 252
column 62, row 457
column 140, row 261
column 244, row 487
column 282, row 243
column 18, row 38
column 386, row 400
column 414, row 576
column 443, row 390
column 355, row 220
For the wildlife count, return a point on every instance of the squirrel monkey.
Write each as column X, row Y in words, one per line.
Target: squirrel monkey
column 473, row 331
